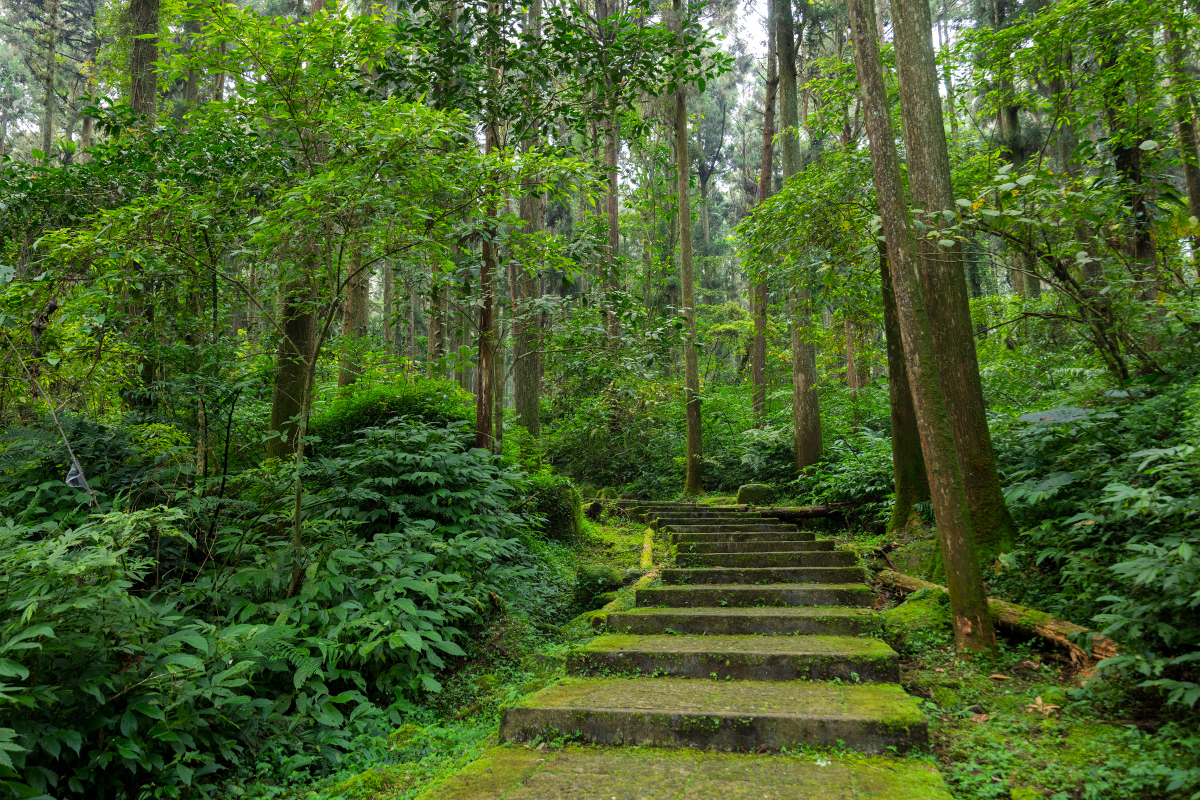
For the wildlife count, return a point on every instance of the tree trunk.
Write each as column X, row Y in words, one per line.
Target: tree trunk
column 143, row 78
column 498, row 384
column 908, row 464
column 611, row 152
column 526, row 353
column 693, row 484
column 806, row 404
column 389, row 291
column 411, row 348
column 297, row 339
column 758, row 289
column 806, row 410
column 48, row 75
column 943, row 279
column 1185, row 129
column 354, row 320
column 487, row 342
column 972, row 624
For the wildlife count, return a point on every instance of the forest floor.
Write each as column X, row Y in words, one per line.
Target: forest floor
column 1018, row 726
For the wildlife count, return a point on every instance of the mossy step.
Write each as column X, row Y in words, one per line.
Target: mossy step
column 747, row 595
column 716, row 516
column 830, row 621
column 825, row 558
column 763, row 575
column 737, row 527
column 720, row 715
column 744, row 536
column 513, row 772
column 799, row 546
column 760, row 658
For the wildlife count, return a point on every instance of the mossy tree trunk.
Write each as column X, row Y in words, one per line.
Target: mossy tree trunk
column 972, row 623
column 943, row 278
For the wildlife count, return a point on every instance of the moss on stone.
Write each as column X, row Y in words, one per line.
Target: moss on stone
column 920, row 621
column 517, row 772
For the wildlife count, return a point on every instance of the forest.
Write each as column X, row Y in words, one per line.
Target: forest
column 360, row 360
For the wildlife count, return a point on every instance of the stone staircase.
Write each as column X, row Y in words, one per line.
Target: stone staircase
column 760, row 638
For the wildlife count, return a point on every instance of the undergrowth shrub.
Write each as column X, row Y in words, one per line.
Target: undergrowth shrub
column 133, row 653
column 555, row 501
column 434, row 401
column 1107, row 499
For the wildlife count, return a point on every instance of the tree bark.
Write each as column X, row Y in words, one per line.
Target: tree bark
column 354, row 320
column 411, row 346
column 48, row 75
column 758, row 289
column 943, row 279
column 1185, row 129
column 806, row 404
column 487, row 343
column 527, row 355
column 297, row 339
column 911, row 484
column 389, row 292
column 972, row 624
column 693, row 483
column 143, row 78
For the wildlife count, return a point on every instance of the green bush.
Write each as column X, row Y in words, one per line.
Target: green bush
column 434, row 401
column 132, row 663
column 555, row 500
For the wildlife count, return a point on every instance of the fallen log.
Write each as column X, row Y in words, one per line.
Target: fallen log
column 1026, row 622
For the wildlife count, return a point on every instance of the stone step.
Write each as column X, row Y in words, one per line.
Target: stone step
column 742, row 527
column 745, row 536
column 759, row 658
column 720, row 715
column 676, row 516
column 746, row 595
column 513, row 772
column 793, row 558
column 763, row 575
column 828, row 621
column 802, row 546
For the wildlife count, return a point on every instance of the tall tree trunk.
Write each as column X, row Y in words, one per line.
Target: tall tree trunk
column 968, row 604
column 943, row 279
column 1185, row 128
column 297, row 339
column 758, row 289
column 806, row 403
column 354, row 319
column 411, row 347
column 693, row 483
column 498, row 382
column 526, row 353
column 911, row 484
column 436, row 345
column 487, row 284
column 191, row 82
column 143, row 78
column 389, row 292
column 48, row 76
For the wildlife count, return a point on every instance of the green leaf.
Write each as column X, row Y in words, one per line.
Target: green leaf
column 450, row 648
column 11, row 669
